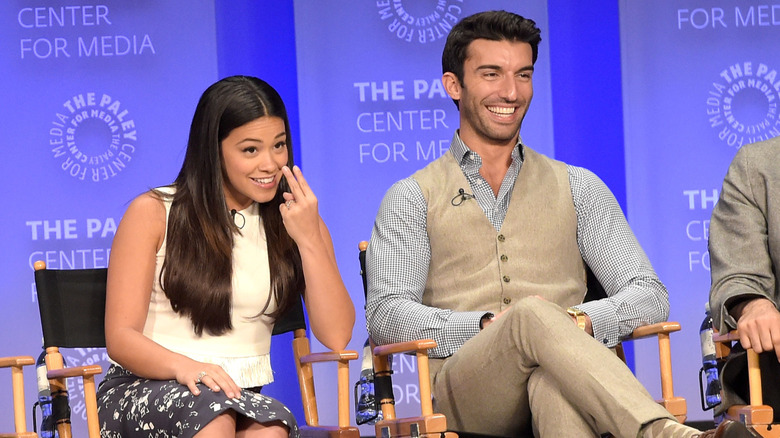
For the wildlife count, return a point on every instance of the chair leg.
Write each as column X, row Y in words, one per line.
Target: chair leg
column 17, row 378
column 54, row 361
column 90, row 400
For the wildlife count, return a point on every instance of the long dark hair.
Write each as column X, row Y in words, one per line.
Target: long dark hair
column 197, row 272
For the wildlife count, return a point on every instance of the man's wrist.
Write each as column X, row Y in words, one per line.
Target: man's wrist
column 579, row 317
column 485, row 320
column 736, row 306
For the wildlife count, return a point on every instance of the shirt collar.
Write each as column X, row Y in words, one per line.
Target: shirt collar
column 461, row 151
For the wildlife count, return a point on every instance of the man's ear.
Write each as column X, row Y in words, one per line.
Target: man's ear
column 451, row 85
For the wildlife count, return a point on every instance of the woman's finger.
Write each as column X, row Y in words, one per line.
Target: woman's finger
column 193, row 387
column 210, row 382
column 226, row 384
column 295, row 187
column 301, row 180
column 217, row 382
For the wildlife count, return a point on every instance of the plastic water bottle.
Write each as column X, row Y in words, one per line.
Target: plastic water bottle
column 366, row 410
column 44, row 398
column 711, row 393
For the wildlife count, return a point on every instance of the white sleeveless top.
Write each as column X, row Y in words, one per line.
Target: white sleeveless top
column 244, row 352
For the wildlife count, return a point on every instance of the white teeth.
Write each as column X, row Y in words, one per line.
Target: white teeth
column 501, row 110
column 268, row 180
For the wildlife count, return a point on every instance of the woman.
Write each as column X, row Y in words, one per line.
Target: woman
column 200, row 270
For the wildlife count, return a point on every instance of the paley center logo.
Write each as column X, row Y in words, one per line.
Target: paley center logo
column 93, row 136
column 742, row 103
column 77, row 357
column 420, row 21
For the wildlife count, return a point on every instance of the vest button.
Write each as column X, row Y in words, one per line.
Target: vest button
column 504, row 257
column 506, row 279
column 507, row 300
column 501, row 238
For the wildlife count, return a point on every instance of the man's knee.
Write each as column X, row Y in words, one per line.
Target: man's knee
column 532, row 308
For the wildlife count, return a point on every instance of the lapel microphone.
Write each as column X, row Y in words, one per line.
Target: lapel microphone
column 462, row 196
column 233, row 214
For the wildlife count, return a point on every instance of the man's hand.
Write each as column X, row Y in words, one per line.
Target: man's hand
column 758, row 323
column 588, row 324
column 486, row 322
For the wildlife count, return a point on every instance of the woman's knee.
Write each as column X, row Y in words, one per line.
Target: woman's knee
column 248, row 428
column 222, row 425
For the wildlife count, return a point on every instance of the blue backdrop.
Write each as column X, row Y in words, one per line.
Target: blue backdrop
column 360, row 80
column 699, row 81
column 373, row 110
column 97, row 104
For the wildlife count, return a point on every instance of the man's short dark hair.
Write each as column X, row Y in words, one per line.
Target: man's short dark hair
column 489, row 25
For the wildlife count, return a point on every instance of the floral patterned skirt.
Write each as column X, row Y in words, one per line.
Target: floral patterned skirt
column 129, row 406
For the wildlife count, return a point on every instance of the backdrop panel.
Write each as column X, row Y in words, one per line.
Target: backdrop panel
column 256, row 38
column 373, row 110
column 699, row 81
column 97, row 104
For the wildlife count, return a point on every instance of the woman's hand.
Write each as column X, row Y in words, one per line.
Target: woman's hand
column 299, row 212
column 210, row 375
column 330, row 309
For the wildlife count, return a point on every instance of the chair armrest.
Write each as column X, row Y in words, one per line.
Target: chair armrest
column 330, row 356
column 83, row 371
column 405, row 347
column 756, row 413
column 677, row 406
column 655, row 329
column 87, row 373
column 382, row 369
column 16, row 361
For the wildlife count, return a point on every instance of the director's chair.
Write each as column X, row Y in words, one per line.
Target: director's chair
column 430, row 424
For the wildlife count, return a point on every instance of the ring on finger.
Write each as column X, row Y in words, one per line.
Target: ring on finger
column 289, row 203
column 200, row 377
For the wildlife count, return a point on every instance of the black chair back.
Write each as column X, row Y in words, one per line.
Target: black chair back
column 595, row 289
column 292, row 320
column 72, row 305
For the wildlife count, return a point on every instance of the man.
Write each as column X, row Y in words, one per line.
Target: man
column 452, row 259
column 745, row 254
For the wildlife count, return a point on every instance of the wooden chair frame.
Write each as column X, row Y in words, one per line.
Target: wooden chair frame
column 756, row 415
column 294, row 321
column 16, row 364
column 304, row 360
column 58, row 375
column 676, row 405
column 430, row 424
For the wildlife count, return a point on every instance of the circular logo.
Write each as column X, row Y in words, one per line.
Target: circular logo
column 742, row 104
column 420, row 21
column 93, row 137
column 77, row 357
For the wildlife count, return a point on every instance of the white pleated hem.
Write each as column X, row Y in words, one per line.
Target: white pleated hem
column 247, row 372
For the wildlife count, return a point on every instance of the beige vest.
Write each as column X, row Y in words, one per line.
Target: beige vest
column 473, row 267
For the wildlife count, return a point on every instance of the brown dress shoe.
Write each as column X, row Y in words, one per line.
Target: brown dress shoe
column 728, row 429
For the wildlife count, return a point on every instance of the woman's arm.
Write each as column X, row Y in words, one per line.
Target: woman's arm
column 329, row 306
column 131, row 272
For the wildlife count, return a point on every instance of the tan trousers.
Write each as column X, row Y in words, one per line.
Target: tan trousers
column 534, row 372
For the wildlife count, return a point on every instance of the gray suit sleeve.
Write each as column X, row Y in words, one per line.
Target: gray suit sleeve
column 738, row 243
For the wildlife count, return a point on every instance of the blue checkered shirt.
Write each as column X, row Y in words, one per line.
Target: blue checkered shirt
column 399, row 254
